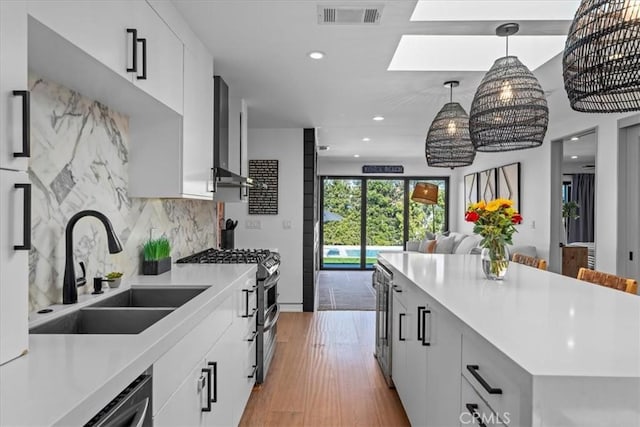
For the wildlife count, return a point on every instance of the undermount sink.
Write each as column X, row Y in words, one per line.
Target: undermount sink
column 151, row 297
column 103, row 321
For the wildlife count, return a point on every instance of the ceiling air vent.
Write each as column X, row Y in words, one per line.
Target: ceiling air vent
column 589, row 167
column 369, row 14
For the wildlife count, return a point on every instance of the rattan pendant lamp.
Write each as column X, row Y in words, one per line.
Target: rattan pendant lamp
column 509, row 110
column 601, row 61
column 448, row 144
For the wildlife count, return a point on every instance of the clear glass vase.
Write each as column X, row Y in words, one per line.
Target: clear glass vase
column 495, row 261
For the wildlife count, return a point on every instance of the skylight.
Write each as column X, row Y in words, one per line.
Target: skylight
column 471, row 53
column 495, row 10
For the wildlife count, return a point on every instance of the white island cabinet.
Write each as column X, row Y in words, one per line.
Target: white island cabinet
column 538, row 349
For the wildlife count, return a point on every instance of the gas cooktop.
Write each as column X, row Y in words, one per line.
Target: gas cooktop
column 227, row 256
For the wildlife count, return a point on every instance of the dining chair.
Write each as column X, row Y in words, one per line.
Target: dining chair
column 530, row 261
column 608, row 280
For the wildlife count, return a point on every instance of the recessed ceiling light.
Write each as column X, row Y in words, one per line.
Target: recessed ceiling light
column 575, row 138
column 470, row 53
column 378, row 118
column 323, row 147
column 494, row 10
column 366, row 139
column 316, row 54
column 574, row 157
column 356, row 155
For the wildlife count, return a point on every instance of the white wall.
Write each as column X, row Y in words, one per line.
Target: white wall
column 286, row 146
column 415, row 167
column 536, row 167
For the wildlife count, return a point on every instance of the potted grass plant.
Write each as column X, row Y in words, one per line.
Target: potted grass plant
column 157, row 256
column 114, row 279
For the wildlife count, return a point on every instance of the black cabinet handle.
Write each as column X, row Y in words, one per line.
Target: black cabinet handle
column 214, row 368
column 144, row 60
column 26, row 218
column 396, row 288
column 425, row 312
column 253, row 336
column 400, row 316
column 474, row 371
column 134, row 50
column 473, row 410
column 26, row 123
column 207, row 384
column 419, row 319
column 253, row 372
column 246, row 303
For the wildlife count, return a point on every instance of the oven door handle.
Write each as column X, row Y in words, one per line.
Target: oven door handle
column 274, row 320
column 271, row 281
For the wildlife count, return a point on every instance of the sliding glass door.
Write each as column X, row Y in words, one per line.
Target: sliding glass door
column 363, row 216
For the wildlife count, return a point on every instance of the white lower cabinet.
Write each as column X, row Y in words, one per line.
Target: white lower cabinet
column 220, row 354
column 425, row 358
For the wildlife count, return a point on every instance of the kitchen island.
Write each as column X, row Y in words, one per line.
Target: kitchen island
column 66, row 379
column 537, row 349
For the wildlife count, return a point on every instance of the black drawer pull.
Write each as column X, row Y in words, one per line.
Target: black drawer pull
column 253, row 372
column 253, row 336
column 26, row 123
column 134, row 51
column 144, row 60
column 26, row 218
column 473, row 410
column 419, row 317
column 396, row 288
column 214, row 368
column 246, row 303
column 474, row 371
column 424, row 328
column 207, row 384
column 400, row 316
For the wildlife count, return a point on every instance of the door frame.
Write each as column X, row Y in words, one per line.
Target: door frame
column 363, row 209
column 622, row 250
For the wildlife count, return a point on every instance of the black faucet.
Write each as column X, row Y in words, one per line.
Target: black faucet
column 70, row 285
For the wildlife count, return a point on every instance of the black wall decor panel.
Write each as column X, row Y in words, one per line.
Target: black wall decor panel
column 310, row 218
column 264, row 201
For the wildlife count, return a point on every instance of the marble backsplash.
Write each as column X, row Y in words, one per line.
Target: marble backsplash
column 79, row 161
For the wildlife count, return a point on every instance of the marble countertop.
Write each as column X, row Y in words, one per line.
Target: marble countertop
column 66, row 379
column 549, row 324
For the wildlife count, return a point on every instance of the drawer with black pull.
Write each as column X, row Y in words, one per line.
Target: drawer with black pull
column 474, row 411
column 504, row 385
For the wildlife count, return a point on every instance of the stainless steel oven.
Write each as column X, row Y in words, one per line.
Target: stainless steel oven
column 131, row 408
column 382, row 281
column 268, row 309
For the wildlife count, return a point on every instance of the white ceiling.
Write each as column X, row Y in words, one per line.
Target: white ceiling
column 584, row 147
column 260, row 48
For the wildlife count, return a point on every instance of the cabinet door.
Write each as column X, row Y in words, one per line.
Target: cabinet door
column 14, row 267
column 13, row 76
column 197, row 142
column 223, row 363
column 99, row 28
column 164, row 58
column 188, row 404
column 400, row 335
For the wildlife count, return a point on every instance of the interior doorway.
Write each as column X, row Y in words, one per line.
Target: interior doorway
column 629, row 199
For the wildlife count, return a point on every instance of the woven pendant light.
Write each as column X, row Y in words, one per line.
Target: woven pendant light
column 509, row 110
column 448, row 144
column 601, row 61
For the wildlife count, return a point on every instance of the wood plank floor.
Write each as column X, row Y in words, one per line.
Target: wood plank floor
column 324, row 374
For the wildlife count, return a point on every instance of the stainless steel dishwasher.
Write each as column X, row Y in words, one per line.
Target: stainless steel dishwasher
column 131, row 408
column 382, row 282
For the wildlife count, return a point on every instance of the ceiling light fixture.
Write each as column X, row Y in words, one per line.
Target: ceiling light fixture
column 575, row 138
column 378, row 118
column 356, row 155
column 448, row 144
column 574, row 157
column 600, row 63
column 366, row 139
column 316, row 55
column 509, row 110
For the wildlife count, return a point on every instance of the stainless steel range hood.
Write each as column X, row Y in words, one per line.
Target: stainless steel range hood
column 222, row 176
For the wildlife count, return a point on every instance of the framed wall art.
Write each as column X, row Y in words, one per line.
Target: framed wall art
column 508, row 177
column 470, row 189
column 487, row 180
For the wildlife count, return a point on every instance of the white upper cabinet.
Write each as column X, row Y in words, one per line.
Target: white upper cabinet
column 197, row 142
column 159, row 55
column 14, row 106
column 105, row 30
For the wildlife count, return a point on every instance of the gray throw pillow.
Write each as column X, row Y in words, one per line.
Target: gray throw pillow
column 444, row 245
column 467, row 244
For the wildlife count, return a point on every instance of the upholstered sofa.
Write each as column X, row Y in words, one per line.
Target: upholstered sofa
column 459, row 243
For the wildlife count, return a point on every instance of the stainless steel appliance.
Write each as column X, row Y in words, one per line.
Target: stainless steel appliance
column 382, row 281
column 131, row 408
column 268, row 309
